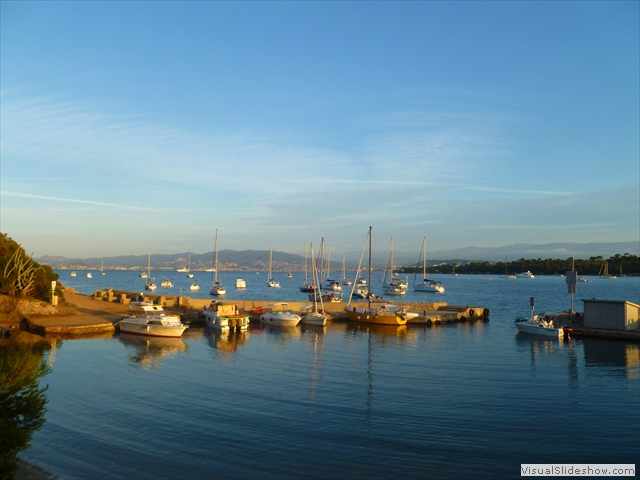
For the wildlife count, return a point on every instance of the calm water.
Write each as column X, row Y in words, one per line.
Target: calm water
column 344, row 401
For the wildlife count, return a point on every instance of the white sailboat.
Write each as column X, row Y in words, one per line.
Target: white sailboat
column 310, row 313
column 345, row 280
column 150, row 285
column 426, row 285
column 270, row 280
column 604, row 272
column 331, row 284
column 189, row 274
column 506, row 270
column 307, row 286
column 102, row 268
column 394, row 286
column 216, row 286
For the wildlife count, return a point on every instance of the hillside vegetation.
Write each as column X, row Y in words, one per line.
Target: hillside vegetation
column 20, row 275
column 618, row 264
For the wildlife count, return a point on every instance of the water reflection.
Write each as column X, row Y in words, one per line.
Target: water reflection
column 614, row 353
column 539, row 345
column 22, row 401
column 226, row 343
column 148, row 352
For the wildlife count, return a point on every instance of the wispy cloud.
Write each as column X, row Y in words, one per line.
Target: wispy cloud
column 84, row 202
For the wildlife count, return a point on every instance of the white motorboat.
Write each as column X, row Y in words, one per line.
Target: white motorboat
column 280, row 315
column 526, row 274
column 194, row 287
column 216, row 286
column 538, row 326
column 270, row 280
column 225, row 317
column 426, row 285
column 166, row 283
column 241, row 283
column 89, row 275
column 153, row 322
column 143, row 275
column 73, row 274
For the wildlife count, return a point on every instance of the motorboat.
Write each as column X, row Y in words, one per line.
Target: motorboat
column 506, row 270
column 73, row 274
column 241, row 283
column 280, row 315
column 426, row 285
column 289, row 275
column 141, row 275
column 225, row 317
column 89, row 275
column 154, row 322
column 538, row 326
column 150, row 285
column 526, row 274
column 194, row 287
column 166, row 283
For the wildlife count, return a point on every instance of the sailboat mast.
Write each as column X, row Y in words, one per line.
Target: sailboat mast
column 370, row 286
column 424, row 259
column 215, row 266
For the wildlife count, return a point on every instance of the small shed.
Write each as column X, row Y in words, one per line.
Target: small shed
column 620, row 315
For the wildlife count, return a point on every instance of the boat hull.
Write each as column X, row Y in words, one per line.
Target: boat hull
column 374, row 316
column 226, row 322
column 282, row 320
column 136, row 328
column 315, row 319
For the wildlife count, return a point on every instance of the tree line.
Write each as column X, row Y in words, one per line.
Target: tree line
column 618, row 264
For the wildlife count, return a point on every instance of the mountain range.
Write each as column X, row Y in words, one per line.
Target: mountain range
column 259, row 259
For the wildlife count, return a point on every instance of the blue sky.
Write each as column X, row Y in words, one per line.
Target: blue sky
column 135, row 125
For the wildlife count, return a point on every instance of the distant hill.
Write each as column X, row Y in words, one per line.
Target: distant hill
column 259, row 259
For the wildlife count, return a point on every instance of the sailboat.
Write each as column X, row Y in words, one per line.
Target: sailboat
column 216, row 286
column 310, row 313
column 331, row 284
column 271, row 281
column 345, row 280
column 604, row 272
column 307, row 286
column 102, row 268
column 506, row 270
column 150, row 285
column 189, row 274
column 383, row 314
column 395, row 286
column 426, row 285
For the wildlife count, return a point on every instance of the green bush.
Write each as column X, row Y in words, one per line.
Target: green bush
column 20, row 275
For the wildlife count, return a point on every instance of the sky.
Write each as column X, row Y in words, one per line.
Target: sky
column 128, row 126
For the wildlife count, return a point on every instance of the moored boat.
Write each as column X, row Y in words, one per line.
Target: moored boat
column 280, row 315
column 154, row 322
column 225, row 317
